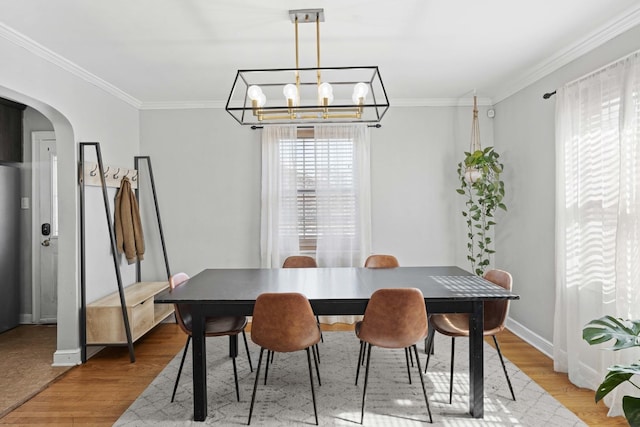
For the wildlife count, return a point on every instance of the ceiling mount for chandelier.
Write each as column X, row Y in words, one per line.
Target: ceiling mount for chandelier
column 308, row 95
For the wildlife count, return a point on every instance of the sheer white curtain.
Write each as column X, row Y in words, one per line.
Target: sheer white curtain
column 343, row 192
column 597, row 217
column 341, row 174
column 279, row 214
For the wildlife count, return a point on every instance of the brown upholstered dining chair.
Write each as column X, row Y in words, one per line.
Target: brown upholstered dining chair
column 299, row 261
column 394, row 318
column 457, row 325
column 303, row 261
column 381, row 261
column 229, row 326
column 284, row 322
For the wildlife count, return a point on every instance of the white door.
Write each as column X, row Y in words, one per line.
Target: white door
column 45, row 228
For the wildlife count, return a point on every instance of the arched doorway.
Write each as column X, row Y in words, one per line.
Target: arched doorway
column 67, row 347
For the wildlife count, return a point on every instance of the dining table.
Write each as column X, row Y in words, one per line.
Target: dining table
column 334, row 291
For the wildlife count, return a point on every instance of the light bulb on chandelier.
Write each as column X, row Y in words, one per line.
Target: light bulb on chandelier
column 256, row 95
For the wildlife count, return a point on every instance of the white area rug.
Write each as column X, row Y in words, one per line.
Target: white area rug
column 391, row 400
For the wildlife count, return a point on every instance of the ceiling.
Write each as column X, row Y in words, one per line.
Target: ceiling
column 172, row 53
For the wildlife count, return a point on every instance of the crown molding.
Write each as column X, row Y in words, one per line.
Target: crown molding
column 181, row 105
column 439, row 102
column 598, row 37
column 37, row 49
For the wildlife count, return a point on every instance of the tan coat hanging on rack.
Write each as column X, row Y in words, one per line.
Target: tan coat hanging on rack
column 128, row 227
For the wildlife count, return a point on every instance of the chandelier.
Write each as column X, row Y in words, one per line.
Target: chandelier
column 308, row 95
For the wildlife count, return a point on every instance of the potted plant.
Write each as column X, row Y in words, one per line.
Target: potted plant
column 626, row 333
column 480, row 182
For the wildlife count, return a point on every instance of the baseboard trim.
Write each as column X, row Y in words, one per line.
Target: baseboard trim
column 67, row 357
column 530, row 337
column 26, row 319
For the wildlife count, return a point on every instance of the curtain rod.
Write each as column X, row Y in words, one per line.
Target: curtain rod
column 598, row 70
column 377, row 126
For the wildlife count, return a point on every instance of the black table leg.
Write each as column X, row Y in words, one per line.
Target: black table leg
column 476, row 360
column 199, row 365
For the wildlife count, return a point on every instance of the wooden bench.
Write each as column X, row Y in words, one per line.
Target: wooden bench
column 105, row 324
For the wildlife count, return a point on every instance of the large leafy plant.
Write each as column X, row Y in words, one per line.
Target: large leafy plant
column 480, row 182
column 626, row 334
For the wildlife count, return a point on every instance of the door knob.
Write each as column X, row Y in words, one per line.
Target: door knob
column 46, row 242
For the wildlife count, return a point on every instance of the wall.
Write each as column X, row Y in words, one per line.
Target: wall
column 207, row 172
column 525, row 134
column 416, row 212
column 79, row 111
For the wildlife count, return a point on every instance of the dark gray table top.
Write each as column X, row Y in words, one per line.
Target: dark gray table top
column 235, row 286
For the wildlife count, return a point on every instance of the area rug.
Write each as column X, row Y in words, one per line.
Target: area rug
column 25, row 362
column 391, row 400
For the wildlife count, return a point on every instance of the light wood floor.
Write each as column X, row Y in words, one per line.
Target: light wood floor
column 98, row 392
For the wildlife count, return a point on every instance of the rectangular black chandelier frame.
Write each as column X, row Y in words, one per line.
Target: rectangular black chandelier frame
column 308, row 95
column 272, row 81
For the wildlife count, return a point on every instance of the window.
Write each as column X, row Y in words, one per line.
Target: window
column 327, row 163
column 315, row 194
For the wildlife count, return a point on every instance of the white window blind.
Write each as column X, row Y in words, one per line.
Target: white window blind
column 326, row 166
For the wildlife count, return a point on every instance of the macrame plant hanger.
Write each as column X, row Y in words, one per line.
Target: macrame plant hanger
column 472, row 174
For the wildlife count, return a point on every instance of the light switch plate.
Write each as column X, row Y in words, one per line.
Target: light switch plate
column 24, row 203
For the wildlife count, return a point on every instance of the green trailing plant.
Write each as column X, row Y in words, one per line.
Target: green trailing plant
column 480, row 182
column 626, row 334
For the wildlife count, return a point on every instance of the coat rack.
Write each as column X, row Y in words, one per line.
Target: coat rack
column 96, row 174
column 113, row 175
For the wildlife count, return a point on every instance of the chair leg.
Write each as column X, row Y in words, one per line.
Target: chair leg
column 406, row 355
column 424, row 389
column 316, row 361
column 430, row 348
column 504, row 368
column 266, row 370
column 313, row 393
column 453, row 353
column 255, row 384
column 184, row 354
column 366, row 378
column 360, row 356
column 429, row 344
column 318, row 320
column 235, row 378
column 246, row 347
column 233, row 353
column 317, row 350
